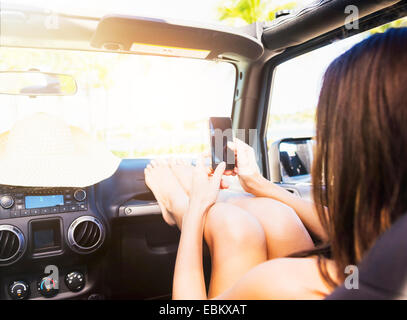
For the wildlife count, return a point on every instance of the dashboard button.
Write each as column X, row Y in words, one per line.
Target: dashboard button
column 73, row 208
column 18, row 290
column 6, row 201
column 35, row 212
column 54, row 210
column 75, row 281
column 45, row 211
column 15, row 214
column 48, row 287
column 79, row 195
column 25, row 213
column 63, row 209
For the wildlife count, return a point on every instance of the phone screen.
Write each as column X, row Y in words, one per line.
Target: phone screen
column 220, row 133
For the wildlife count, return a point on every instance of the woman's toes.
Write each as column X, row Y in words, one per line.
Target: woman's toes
column 161, row 162
column 173, row 165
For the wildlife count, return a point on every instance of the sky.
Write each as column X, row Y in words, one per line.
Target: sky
column 194, row 10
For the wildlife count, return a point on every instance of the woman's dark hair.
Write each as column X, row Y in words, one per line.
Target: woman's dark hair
column 359, row 172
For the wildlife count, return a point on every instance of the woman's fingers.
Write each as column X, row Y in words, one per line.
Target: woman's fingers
column 217, row 175
column 209, row 171
column 239, row 142
column 206, row 154
column 200, row 162
column 224, row 184
column 231, row 146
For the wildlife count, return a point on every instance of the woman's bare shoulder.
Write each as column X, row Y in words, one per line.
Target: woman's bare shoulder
column 284, row 278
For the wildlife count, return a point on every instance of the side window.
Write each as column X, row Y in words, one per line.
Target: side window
column 295, row 91
column 297, row 83
column 294, row 98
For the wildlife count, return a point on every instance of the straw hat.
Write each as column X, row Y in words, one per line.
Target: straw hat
column 43, row 151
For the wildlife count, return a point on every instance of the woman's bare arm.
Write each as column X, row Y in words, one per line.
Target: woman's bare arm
column 189, row 282
column 305, row 209
column 253, row 182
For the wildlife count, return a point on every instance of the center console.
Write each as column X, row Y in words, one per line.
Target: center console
column 49, row 238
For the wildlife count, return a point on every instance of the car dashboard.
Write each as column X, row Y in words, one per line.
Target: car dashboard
column 58, row 228
column 73, row 243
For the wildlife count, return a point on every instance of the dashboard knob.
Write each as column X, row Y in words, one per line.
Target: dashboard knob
column 47, row 287
column 79, row 194
column 75, row 281
column 6, row 201
column 18, row 290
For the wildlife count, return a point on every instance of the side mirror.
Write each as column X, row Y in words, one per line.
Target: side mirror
column 290, row 160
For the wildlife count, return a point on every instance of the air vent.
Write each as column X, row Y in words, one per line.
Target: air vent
column 11, row 244
column 85, row 234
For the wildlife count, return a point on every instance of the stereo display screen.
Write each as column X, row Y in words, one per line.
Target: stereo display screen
column 43, row 201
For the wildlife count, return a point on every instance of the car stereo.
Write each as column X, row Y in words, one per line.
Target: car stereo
column 22, row 202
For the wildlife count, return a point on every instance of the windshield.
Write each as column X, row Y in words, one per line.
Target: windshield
column 139, row 106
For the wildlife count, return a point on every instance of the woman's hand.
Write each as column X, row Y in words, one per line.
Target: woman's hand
column 205, row 188
column 246, row 167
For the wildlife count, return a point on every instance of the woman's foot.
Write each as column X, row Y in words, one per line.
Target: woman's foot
column 170, row 195
column 183, row 169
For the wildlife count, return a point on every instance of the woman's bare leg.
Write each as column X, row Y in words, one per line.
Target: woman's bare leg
column 285, row 232
column 236, row 242
column 235, row 238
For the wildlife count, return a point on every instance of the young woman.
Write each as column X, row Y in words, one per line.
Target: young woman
column 359, row 187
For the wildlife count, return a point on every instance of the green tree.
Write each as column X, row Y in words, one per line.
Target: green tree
column 251, row 11
column 400, row 23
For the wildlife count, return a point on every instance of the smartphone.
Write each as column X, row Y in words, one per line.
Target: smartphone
column 220, row 129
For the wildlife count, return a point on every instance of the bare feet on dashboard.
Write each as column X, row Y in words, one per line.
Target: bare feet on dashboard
column 183, row 170
column 170, row 195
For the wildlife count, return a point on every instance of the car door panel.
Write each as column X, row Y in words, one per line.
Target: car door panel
column 143, row 247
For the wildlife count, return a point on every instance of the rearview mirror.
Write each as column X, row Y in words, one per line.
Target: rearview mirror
column 291, row 160
column 36, row 83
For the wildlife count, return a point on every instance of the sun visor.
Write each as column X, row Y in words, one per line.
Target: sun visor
column 167, row 38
